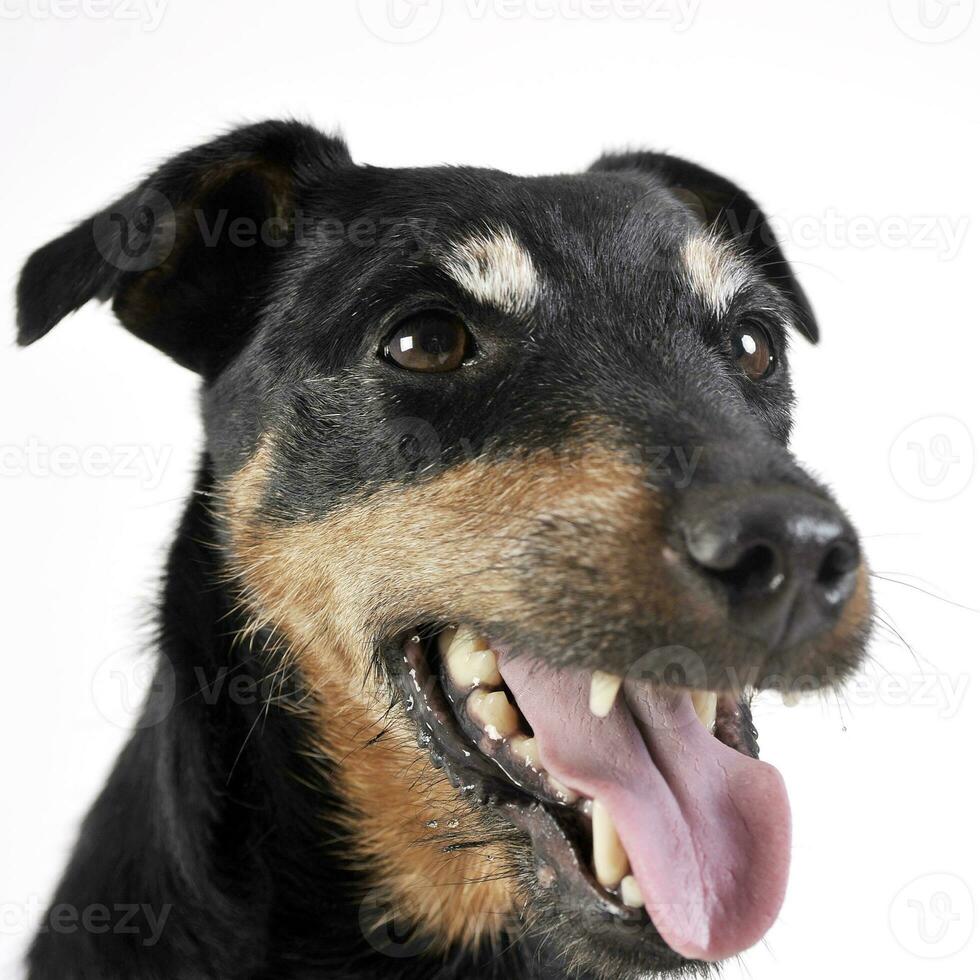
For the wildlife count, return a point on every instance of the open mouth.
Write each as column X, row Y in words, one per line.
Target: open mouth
column 645, row 804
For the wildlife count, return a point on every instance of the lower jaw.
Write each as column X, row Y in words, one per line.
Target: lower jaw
column 566, row 897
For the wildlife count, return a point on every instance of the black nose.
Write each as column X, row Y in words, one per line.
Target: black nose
column 786, row 558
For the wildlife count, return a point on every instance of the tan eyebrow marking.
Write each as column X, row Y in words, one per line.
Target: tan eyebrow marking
column 494, row 268
column 714, row 270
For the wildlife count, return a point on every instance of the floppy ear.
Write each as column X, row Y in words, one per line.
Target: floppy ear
column 727, row 209
column 185, row 256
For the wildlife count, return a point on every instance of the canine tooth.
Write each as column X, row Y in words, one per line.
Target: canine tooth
column 445, row 639
column 608, row 855
column 495, row 713
column 468, row 660
column 460, row 638
column 706, row 707
column 565, row 794
column 526, row 750
column 602, row 693
column 630, row 891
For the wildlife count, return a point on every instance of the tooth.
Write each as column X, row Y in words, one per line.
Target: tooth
column 526, row 750
column 608, row 856
column 706, row 707
column 446, row 638
column 791, row 698
column 495, row 713
column 630, row 891
column 474, row 669
column 565, row 794
column 468, row 661
column 602, row 693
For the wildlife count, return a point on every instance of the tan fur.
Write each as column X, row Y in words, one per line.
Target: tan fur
column 445, row 547
column 401, row 814
column 853, row 617
column 332, row 585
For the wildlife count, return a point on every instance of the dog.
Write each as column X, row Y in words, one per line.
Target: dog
column 494, row 534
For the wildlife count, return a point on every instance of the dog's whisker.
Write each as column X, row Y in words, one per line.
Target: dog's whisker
column 889, row 577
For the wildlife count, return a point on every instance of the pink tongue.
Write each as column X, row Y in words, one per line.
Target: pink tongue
column 706, row 829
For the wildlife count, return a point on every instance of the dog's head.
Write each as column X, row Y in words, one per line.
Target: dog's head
column 504, row 461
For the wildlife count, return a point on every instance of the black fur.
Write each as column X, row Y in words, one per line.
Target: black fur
column 216, row 812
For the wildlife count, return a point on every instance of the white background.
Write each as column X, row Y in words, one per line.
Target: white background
column 856, row 127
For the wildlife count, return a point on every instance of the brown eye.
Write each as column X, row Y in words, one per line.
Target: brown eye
column 430, row 341
column 753, row 351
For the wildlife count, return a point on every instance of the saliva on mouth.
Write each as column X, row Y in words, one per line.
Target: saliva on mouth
column 665, row 810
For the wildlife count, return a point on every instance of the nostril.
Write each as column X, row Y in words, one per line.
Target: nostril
column 781, row 562
column 840, row 559
column 756, row 570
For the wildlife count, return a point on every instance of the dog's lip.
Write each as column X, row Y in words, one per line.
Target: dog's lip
column 548, row 824
column 558, row 856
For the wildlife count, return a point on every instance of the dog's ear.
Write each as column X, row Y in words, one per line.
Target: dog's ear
column 727, row 209
column 185, row 256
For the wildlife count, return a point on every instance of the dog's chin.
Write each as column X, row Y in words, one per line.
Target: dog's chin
column 577, row 907
column 572, row 919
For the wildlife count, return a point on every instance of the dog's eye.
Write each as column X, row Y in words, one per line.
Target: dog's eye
column 753, row 351
column 430, row 341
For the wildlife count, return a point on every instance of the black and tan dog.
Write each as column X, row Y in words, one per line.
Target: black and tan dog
column 497, row 523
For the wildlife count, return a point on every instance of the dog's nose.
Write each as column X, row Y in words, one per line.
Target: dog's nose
column 786, row 557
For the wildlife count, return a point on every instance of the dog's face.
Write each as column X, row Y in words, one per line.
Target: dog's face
column 503, row 463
